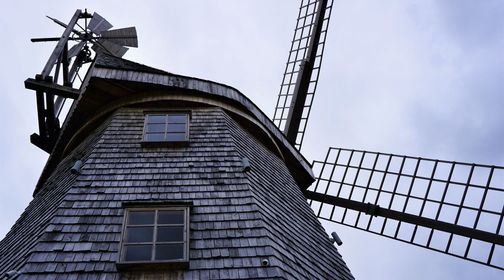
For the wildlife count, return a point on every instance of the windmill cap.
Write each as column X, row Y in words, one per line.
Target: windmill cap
column 108, row 78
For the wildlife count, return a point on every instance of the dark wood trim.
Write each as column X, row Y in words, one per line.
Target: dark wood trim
column 156, row 203
column 43, row 143
column 52, row 88
column 303, row 80
column 185, row 205
column 147, row 266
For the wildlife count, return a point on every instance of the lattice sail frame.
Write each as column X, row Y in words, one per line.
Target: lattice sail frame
column 451, row 207
column 297, row 55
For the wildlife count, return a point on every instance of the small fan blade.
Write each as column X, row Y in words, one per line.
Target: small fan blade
column 123, row 36
column 98, row 24
column 75, row 49
column 105, row 46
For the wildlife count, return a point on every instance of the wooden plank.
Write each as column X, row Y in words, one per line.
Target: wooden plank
column 66, row 92
column 41, row 142
column 297, row 106
column 61, row 45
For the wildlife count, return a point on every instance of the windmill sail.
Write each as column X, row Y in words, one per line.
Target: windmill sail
column 123, row 36
column 105, row 46
column 98, row 24
column 450, row 207
column 302, row 70
column 75, row 49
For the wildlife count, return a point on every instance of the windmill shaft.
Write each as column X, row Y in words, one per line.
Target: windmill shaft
column 376, row 210
column 303, row 81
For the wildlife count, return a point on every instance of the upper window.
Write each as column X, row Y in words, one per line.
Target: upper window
column 166, row 127
column 155, row 235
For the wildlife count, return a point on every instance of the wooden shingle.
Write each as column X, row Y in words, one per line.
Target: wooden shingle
column 73, row 227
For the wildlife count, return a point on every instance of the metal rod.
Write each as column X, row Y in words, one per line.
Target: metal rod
column 425, row 198
column 355, row 182
column 343, row 180
column 409, row 192
column 394, row 191
column 461, row 203
column 368, row 184
column 442, row 200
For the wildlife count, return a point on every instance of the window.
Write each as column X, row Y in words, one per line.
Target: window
column 155, row 236
column 166, row 127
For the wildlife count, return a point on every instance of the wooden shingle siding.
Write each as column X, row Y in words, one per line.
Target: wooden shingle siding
column 113, row 82
column 297, row 235
column 237, row 219
column 32, row 227
column 119, row 69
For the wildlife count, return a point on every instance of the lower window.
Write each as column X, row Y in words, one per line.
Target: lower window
column 155, row 235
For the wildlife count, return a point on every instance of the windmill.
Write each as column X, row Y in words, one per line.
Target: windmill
column 455, row 208
column 329, row 169
column 85, row 31
column 158, row 175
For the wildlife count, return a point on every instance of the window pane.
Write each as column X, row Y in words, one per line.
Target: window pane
column 138, row 252
column 176, row 128
column 171, row 217
column 156, row 118
column 139, row 234
column 154, row 137
column 170, row 251
column 141, row 218
column 168, row 234
column 177, row 118
column 156, row 127
column 175, row 136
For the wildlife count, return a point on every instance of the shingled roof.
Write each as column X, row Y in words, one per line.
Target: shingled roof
column 112, row 62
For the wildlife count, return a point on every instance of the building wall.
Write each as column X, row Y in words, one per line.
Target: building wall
column 238, row 218
column 28, row 230
column 303, row 247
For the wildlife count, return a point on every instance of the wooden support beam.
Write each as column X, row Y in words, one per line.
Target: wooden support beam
column 44, row 143
column 41, row 113
column 52, row 88
column 60, row 46
column 303, row 80
column 64, row 61
column 47, row 118
column 376, row 210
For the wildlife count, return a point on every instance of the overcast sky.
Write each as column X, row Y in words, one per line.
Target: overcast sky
column 422, row 78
